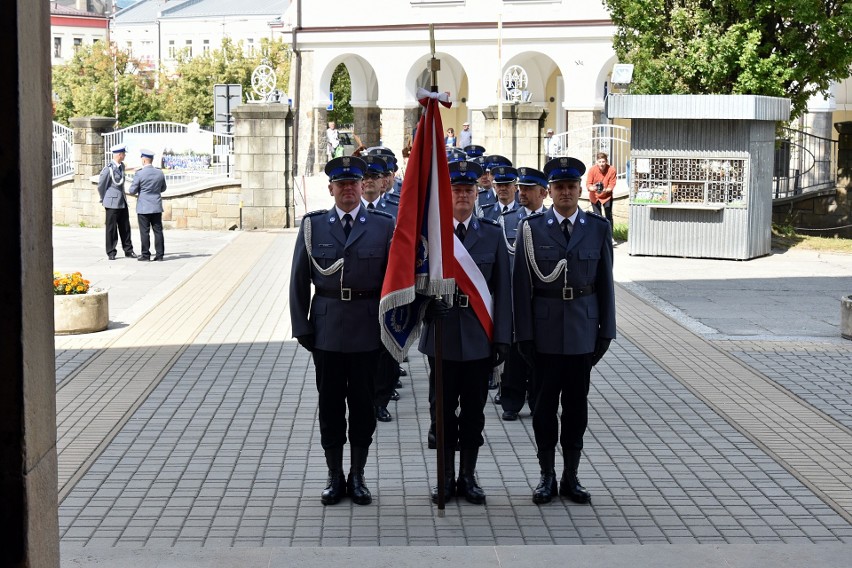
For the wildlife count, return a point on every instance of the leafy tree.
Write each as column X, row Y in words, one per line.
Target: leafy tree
column 784, row 48
column 85, row 86
column 341, row 86
column 188, row 93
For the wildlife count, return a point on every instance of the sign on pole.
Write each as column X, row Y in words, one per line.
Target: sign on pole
column 330, row 102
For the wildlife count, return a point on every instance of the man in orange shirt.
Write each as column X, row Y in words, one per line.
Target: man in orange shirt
column 601, row 183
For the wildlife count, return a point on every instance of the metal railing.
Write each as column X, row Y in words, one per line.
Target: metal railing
column 803, row 162
column 62, row 151
column 189, row 154
column 584, row 143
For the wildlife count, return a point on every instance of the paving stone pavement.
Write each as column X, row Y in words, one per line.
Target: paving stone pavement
column 221, row 451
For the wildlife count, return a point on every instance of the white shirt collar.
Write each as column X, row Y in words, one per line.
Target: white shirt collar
column 466, row 222
column 572, row 218
column 375, row 203
column 353, row 213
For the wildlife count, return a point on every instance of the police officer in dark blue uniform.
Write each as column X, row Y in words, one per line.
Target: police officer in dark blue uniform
column 564, row 303
column 503, row 182
column 343, row 252
column 468, row 355
column 518, row 385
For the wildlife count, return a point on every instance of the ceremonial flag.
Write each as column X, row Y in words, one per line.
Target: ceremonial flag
column 426, row 259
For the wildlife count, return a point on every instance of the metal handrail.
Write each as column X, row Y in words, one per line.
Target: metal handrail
column 803, row 162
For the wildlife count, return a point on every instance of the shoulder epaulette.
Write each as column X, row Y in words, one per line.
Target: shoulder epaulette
column 594, row 215
column 533, row 216
column 382, row 213
column 488, row 205
column 509, row 212
column 489, row 221
column 317, row 212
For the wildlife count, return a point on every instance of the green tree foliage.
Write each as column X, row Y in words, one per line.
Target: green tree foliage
column 188, row 93
column 85, row 86
column 784, row 48
column 341, row 86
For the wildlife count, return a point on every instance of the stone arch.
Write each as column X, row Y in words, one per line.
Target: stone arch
column 365, row 87
column 545, row 80
column 452, row 77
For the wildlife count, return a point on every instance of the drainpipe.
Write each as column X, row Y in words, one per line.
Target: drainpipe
column 297, row 81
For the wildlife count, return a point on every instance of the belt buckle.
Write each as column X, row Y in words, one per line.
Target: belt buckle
column 464, row 300
column 567, row 293
column 346, row 294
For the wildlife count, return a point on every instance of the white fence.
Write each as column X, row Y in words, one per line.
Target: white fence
column 584, row 143
column 187, row 153
column 62, row 151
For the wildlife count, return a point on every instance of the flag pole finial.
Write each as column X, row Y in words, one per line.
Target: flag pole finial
column 434, row 64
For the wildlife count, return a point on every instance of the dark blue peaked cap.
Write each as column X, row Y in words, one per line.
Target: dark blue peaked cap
column 376, row 164
column 456, row 155
column 464, row 172
column 531, row 176
column 564, row 168
column 473, row 150
column 504, row 174
column 345, row 167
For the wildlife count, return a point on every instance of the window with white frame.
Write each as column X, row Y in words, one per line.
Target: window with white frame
column 78, row 41
column 205, row 47
column 172, row 51
column 189, row 48
column 57, row 47
column 250, row 46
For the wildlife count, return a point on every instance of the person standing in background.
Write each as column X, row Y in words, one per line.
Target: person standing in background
column 149, row 183
column 332, row 136
column 450, row 139
column 601, row 183
column 465, row 136
column 111, row 191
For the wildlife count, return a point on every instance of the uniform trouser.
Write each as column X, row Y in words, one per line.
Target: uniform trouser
column 517, row 382
column 607, row 210
column 465, row 388
column 387, row 372
column 565, row 378
column 148, row 222
column 345, row 379
column 118, row 224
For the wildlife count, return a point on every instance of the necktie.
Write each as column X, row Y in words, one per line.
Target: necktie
column 347, row 224
column 370, row 205
column 461, row 231
column 566, row 230
column 505, row 208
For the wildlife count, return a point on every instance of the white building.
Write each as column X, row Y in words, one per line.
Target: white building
column 71, row 28
column 155, row 31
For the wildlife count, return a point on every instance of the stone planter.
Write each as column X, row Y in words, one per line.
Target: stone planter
column 846, row 317
column 81, row 313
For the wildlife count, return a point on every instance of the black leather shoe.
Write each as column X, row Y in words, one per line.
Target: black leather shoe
column 394, row 396
column 569, row 486
column 510, row 415
column 382, row 414
column 402, row 373
column 158, row 258
column 546, row 488
column 449, row 488
column 143, row 258
column 431, row 440
column 131, row 254
column 492, row 383
column 498, row 399
column 335, row 489
column 111, row 256
column 398, row 384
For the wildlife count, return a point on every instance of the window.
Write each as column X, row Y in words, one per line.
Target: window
column 250, row 46
column 57, row 47
column 205, row 47
column 78, row 41
column 189, row 47
column 171, row 49
column 130, row 48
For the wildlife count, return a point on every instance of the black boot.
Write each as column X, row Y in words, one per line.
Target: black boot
column 466, row 484
column 449, row 477
column 546, row 488
column 569, row 485
column 336, row 485
column 431, row 441
column 355, row 485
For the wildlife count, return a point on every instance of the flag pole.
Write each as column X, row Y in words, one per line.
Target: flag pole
column 434, row 66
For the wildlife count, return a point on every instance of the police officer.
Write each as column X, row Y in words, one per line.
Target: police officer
column 343, row 252
column 563, row 296
column 504, row 178
column 149, row 183
column 517, row 384
column 468, row 355
column 111, row 191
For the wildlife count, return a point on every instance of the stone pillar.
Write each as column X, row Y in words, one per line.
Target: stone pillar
column 29, row 528
column 89, row 156
column 368, row 125
column 263, row 142
column 477, row 128
column 397, row 127
column 522, row 133
column 579, row 119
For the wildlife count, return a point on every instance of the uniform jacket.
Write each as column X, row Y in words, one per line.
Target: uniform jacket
column 389, row 204
column 338, row 325
column 567, row 327
column 494, row 210
column 464, row 337
column 148, row 183
column 112, row 193
column 485, row 196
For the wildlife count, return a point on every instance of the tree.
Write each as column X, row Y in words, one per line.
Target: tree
column 85, row 86
column 782, row 48
column 341, row 86
column 188, row 93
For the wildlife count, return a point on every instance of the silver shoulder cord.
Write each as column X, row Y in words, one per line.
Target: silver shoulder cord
column 509, row 247
column 112, row 175
column 528, row 246
column 338, row 264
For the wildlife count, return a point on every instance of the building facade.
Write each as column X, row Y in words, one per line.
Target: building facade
column 72, row 28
